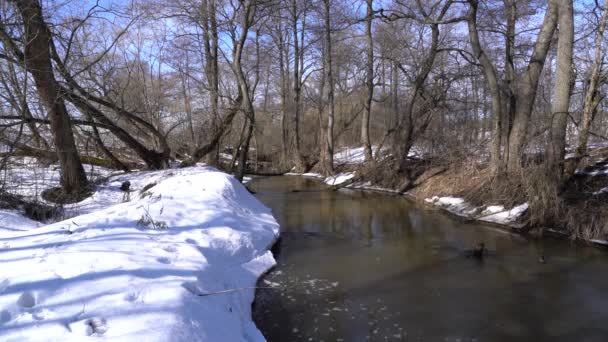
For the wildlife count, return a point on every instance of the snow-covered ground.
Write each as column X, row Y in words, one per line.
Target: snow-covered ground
column 493, row 213
column 330, row 180
column 356, row 155
column 27, row 178
column 12, row 220
column 175, row 262
column 340, row 178
column 351, row 155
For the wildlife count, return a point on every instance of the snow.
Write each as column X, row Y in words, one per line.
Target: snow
column 339, row 178
column 351, row 155
column 504, row 216
column 27, row 178
column 226, row 156
column 308, row 174
column 453, row 204
column 593, row 173
column 493, row 213
column 313, row 175
column 356, row 155
column 493, row 209
column 601, row 191
column 12, row 220
column 330, row 180
column 177, row 262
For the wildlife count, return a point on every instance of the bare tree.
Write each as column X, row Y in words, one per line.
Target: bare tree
column 36, row 58
column 327, row 155
column 592, row 97
column 365, row 139
column 562, row 90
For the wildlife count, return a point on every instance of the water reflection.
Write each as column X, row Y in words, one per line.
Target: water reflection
column 358, row 266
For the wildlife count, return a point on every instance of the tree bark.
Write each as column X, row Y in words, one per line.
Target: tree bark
column 510, row 77
column 491, row 77
column 328, row 155
column 210, row 36
column 528, row 86
column 561, row 98
column 365, row 138
column 298, row 56
column 249, row 9
column 284, row 91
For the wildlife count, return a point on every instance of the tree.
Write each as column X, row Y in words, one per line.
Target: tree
column 592, row 97
column 369, row 81
column 562, row 89
column 327, row 155
column 491, row 78
column 247, row 13
column 36, row 59
column 527, row 87
column 210, row 37
column 521, row 103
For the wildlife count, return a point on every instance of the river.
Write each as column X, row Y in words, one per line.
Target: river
column 364, row 266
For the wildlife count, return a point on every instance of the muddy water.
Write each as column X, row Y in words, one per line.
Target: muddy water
column 359, row 266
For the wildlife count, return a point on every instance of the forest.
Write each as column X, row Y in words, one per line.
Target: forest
column 496, row 101
column 303, row 170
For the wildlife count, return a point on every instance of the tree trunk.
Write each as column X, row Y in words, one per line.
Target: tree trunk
column 210, row 36
column 527, row 88
column 395, row 96
column 328, row 156
column 284, row 93
column 365, row 139
column 249, row 9
column 408, row 122
column 510, row 78
column 491, row 77
column 561, row 98
column 297, row 84
column 38, row 63
column 188, row 105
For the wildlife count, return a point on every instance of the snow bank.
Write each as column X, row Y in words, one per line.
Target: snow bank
column 339, row 178
column 176, row 262
column 12, row 220
column 453, row 204
column 494, row 213
column 308, row 174
column 502, row 216
column 331, row 180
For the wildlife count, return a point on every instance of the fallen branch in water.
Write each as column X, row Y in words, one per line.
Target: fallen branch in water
column 237, row 289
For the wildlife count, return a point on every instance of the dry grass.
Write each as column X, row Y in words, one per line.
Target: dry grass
column 573, row 208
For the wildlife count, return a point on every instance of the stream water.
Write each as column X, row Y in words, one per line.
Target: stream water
column 362, row 266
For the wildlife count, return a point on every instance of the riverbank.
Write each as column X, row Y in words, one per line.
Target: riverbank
column 492, row 214
column 175, row 259
column 517, row 203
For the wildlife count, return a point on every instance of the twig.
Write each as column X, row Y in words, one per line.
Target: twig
column 236, row 289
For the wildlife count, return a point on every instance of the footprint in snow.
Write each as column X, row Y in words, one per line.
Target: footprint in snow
column 43, row 314
column 5, row 316
column 4, row 284
column 170, row 249
column 131, row 297
column 26, row 300
column 163, row 260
